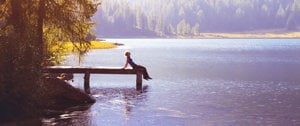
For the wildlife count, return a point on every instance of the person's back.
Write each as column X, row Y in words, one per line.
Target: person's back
column 130, row 62
column 135, row 66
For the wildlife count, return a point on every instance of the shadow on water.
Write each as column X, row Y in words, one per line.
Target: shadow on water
column 68, row 116
column 54, row 117
column 112, row 99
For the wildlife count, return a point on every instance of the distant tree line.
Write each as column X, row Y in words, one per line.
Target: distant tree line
column 191, row 17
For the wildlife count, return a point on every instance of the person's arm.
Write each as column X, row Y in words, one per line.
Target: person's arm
column 126, row 64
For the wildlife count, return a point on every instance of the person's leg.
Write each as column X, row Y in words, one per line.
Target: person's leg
column 145, row 73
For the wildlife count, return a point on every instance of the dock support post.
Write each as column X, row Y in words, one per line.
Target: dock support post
column 87, row 82
column 139, row 81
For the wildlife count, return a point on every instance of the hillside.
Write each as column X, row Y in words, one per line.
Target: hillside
column 165, row 18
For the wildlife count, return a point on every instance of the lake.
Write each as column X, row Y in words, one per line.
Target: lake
column 196, row 82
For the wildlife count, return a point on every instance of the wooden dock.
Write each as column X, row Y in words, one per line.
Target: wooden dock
column 95, row 70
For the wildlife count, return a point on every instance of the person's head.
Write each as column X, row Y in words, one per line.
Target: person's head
column 127, row 53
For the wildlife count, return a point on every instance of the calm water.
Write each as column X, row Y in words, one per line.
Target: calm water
column 213, row 82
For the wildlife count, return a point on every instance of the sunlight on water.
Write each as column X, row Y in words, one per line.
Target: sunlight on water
column 213, row 82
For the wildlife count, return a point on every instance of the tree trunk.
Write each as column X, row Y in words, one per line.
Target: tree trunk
column 16, row 16
column 41, row 16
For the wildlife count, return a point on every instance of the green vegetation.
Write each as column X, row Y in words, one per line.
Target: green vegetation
column 61, row 49
column 171, row 18
column 29, row 29
column 70, row 47
column 102, row 45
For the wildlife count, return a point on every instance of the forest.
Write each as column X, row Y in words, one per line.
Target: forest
column 165, row 18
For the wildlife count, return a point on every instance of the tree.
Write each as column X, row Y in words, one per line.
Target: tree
column 27, row 28
column 138, row 18
column 71, row 18
column 19, row 62
column 280, row 12
column 171, row 29
column 183, row 27
column 195, row 29
column 291, row 21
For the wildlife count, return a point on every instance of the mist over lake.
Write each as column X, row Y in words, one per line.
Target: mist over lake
column 195, row 82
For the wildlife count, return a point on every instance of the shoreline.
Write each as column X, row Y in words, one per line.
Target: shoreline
column 207, row 35
column 288, row 35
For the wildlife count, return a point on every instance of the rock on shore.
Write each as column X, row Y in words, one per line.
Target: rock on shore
column 61, row 94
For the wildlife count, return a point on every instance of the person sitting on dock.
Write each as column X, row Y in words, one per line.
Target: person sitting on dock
column 135, row 66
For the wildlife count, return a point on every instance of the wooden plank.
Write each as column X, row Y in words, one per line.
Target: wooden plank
column 92, row 70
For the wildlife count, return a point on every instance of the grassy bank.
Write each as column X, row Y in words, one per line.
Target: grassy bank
column 69, row 47
column 102, row 45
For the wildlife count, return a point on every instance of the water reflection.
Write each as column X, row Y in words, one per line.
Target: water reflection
column 119, row 99
column 110, row 102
